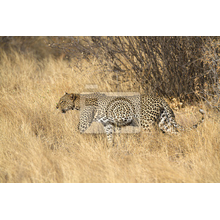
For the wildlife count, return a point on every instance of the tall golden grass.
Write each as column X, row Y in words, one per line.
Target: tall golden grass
column 39, row 144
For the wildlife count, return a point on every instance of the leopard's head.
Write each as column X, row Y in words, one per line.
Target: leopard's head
column 69, row 101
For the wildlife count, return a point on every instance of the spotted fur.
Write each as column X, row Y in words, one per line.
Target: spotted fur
column 112, row 112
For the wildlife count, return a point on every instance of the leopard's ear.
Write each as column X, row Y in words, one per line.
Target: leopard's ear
column 65, row 93
column 72, row 96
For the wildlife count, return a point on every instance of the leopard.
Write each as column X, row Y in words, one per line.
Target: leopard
column 146, row 111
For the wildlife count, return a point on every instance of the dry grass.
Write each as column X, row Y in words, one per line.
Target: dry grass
column 39, row 144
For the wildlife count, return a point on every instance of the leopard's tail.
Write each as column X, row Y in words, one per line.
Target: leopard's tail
column 201, row 120
column 181, row 128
